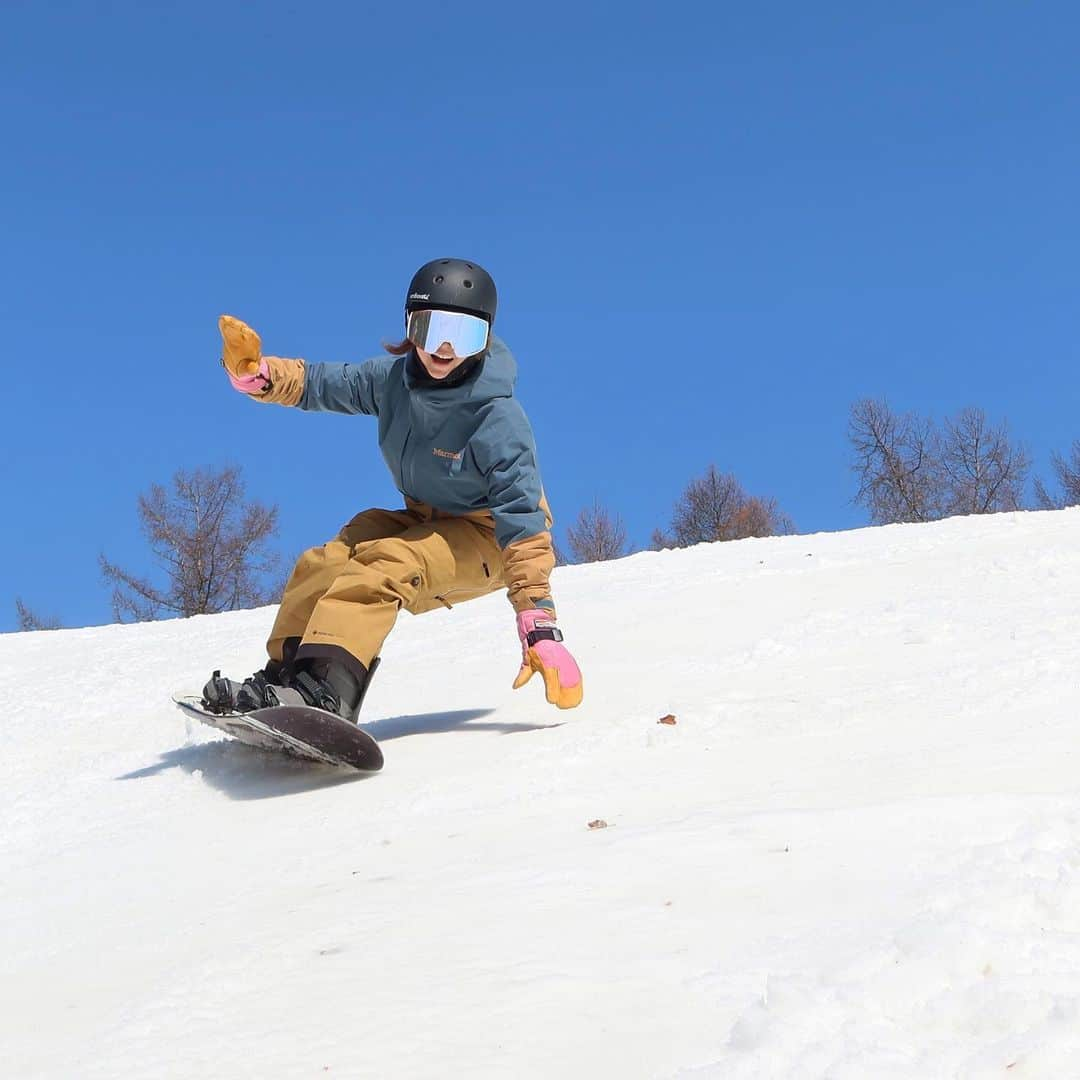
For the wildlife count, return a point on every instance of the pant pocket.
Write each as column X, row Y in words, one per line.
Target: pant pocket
column 457, row 596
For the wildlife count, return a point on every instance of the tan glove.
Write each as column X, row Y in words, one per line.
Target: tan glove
column 272, row 379
column 241, row 348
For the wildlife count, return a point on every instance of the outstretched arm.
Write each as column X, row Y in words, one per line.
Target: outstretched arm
column 523, row 531
column 277, row 380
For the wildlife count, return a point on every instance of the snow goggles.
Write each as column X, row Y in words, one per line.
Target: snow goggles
column 430, row 328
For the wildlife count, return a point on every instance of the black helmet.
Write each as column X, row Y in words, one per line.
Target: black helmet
column 453, row 285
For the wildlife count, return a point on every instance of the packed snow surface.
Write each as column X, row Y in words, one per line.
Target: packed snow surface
column 855, row 854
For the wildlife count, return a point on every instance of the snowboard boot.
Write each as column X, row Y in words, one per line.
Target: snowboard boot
column 268, row 686
column 334, row 686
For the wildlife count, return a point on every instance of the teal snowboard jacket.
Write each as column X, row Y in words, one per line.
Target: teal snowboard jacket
column 459, row 448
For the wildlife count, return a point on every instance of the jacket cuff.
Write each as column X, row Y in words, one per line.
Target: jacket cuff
column 527, row 565
column 522, row 601
column 286, row 381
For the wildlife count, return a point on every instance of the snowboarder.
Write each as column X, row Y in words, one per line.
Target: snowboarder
column 475, row 519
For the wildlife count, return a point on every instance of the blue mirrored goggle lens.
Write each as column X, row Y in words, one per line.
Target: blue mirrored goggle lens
column 466, row 334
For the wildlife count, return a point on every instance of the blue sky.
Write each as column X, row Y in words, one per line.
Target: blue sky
column 713, row 227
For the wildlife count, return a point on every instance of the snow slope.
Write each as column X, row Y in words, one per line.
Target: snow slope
column 855, row 855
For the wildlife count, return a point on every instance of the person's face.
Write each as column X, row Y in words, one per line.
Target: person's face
column 441, row 362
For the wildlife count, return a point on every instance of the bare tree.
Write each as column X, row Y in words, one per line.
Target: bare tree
column 1067, row 473
column 30, row 620
column 211, row 544
column 715, row 507
column 597, row 535
column 896, row 461
column 909, row 470
column 982, row 470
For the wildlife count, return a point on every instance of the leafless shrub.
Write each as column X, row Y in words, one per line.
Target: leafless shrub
column 1067, row 474
column 597, row 535
column 30, row 620
column 211, row 544
column 715, row 507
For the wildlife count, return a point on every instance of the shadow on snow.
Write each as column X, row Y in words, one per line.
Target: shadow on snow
column 397, row 727
column 248, row 772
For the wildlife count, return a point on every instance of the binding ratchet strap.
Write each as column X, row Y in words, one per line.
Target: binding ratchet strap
column 315, row 691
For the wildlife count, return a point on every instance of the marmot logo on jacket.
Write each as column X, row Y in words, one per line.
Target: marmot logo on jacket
column 448, row 454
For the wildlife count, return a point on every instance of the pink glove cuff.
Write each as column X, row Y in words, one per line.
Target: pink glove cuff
column 255, row 384
column 534, row 618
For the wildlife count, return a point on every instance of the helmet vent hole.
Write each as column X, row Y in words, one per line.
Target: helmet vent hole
column 467, row 283
column 438, row 279
column 469, row 266
column 445, row 262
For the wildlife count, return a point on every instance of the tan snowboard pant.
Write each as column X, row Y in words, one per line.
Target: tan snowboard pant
column 347, row 593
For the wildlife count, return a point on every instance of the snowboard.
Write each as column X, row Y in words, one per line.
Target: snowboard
column 300, row 730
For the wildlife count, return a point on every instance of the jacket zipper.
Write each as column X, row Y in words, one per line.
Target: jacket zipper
column 406, row 472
